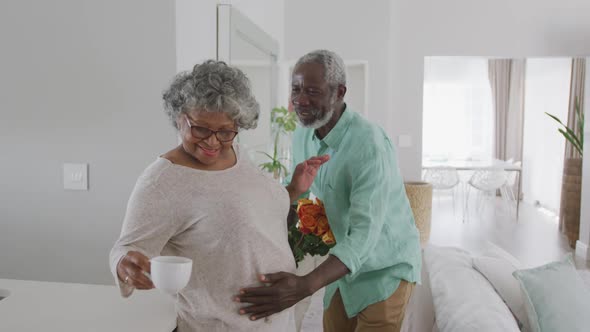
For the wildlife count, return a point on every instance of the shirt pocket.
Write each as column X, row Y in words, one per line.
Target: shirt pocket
column 337, row 205
column 330, row 187
column 333, row 193
column 337, row 192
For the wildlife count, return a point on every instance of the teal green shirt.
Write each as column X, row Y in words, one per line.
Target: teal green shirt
column 367, row 208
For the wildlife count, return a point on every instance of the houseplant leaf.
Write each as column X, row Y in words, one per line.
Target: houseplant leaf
column 283, row 122
column 571, row 139
column 571, row 135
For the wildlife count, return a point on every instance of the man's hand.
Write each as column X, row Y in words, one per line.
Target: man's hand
column 283, row 290
column 304, row 174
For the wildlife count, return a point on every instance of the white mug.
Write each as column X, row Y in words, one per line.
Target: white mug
column 171, row 274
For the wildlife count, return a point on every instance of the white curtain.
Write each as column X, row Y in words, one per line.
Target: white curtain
column 576, row 95
column 499, row 74
column 507, row 80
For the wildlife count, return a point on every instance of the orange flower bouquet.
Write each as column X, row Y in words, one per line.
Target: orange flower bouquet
column 311, row 234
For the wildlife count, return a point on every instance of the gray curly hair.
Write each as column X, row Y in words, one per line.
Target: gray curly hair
column 213, row 86
column 335, row 74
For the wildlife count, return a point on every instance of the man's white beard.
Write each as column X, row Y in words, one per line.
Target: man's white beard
column 319, row 123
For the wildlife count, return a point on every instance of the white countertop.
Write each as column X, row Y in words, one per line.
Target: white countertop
column 51, row 306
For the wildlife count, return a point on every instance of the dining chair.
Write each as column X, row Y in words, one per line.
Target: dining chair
column 486, row 181
column 442, row 179
column 508, row 189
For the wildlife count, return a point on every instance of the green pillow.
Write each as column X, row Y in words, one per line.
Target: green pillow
column 556, row 298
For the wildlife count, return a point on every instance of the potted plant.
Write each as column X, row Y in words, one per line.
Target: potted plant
column 283, row 124
column 571, row 186
column 574, row 137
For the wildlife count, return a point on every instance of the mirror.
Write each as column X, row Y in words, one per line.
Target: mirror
column 243, row 44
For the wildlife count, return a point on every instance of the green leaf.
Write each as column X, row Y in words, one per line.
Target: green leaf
column 267, row 166
column 580, row 121
column 269, row 156
column 322, row 251
column 556, row 119
column 575, row 141
column 571, row 136
column 571, row 140
column 290, row 126
column 282, row 122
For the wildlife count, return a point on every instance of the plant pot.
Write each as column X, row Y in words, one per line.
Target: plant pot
column 571, row 194
column 420, row 197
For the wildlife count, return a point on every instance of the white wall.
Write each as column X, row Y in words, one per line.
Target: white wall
column 196, row 26
column 81, row 82
column 356, row 30
column 470, row 28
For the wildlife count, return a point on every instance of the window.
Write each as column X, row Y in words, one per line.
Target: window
column 458, row 119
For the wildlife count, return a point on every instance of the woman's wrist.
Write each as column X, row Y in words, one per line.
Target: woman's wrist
column 119, row 268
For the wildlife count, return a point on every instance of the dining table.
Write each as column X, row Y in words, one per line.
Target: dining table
column 474, row 164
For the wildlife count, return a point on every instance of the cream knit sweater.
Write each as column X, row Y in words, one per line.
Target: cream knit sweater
column 231, row 223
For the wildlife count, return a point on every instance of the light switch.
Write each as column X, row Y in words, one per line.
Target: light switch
column 404, row 141
column 76, row 176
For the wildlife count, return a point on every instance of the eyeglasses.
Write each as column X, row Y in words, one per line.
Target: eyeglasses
column 204, row 133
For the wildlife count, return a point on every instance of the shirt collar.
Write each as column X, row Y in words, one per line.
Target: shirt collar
column 335, row 136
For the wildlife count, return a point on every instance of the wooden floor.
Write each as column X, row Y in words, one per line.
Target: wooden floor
column 534, row 238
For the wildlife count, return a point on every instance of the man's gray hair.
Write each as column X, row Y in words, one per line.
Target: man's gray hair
column 213, row 86
column 335, row 73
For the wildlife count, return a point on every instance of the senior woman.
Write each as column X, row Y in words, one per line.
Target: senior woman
column 205, row 201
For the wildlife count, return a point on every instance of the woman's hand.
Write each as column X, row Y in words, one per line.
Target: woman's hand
column 133, row 270
column 304, row 174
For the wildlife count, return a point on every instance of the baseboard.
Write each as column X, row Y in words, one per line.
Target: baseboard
column 582, row 250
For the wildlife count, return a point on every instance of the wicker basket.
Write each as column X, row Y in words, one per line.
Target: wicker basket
column 571, row 194
column 420, row 197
